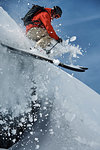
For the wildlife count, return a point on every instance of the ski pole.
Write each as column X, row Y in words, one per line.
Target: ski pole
column 53, row 46
column 48, row 51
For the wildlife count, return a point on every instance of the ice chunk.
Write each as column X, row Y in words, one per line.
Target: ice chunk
column 73, row 38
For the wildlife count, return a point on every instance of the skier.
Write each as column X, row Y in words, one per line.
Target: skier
column 41, row 29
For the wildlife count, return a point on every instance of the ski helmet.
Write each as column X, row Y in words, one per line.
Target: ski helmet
column 57, row 10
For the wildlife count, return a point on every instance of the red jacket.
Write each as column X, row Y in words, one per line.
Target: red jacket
column 44, row 18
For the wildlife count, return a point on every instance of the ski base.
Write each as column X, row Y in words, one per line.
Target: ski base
column 23, row 51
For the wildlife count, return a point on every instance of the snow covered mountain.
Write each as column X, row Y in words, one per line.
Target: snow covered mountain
column 67, row 112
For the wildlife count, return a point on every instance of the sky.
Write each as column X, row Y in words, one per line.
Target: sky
column 81, row 18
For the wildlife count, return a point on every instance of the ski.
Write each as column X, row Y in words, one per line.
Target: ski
column 23, row 51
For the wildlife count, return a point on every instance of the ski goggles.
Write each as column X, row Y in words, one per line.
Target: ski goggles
column 57, row 16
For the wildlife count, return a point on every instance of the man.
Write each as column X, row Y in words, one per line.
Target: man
column 41, row 29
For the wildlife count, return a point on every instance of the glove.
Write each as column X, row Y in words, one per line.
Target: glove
column 59, row 40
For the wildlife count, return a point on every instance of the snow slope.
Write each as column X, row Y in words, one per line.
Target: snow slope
column 69, row 111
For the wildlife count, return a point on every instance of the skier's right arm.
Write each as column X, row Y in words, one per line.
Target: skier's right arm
column 47, row 23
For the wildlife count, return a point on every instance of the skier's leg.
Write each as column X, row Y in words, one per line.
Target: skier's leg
column 33, row 34
column 39, row 35
column 44, row 41
column 36, row 33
